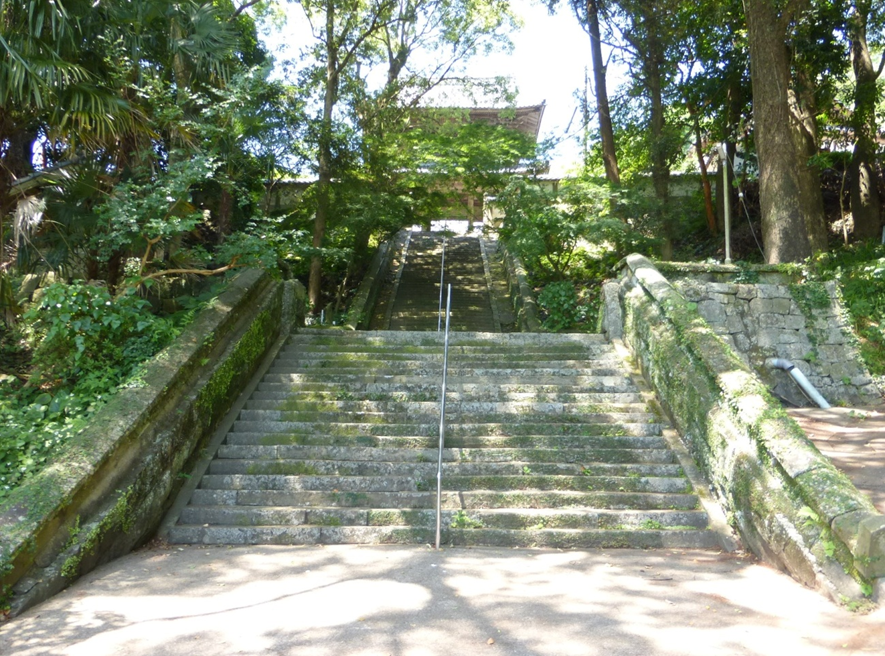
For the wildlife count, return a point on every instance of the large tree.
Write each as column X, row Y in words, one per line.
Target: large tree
column 108, row 92
column 346, row 29
column 865, row 202
column 588, row 13
column 793, row 224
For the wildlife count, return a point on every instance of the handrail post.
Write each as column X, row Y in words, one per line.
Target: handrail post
column 442, row 420
column 442, row 273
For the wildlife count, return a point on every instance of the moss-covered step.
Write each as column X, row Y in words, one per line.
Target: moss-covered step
column 470, row 446
column 430, row 428
column 428, row 413
column 341, row 466
column 584, row 458
column 548, row 442
column 272, row 398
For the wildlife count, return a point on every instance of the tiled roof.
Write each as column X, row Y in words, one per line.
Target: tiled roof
column 525, row 119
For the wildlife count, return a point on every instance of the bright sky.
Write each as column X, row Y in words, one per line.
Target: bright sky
column 547, row 64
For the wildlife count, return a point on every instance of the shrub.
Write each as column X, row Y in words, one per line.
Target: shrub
column 560, row 302
column 860, row 272
column 86, row 344
column 82, row 335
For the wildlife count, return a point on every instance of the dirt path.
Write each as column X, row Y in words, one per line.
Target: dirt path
column 854, row 439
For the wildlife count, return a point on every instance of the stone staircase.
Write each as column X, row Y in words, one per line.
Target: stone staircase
column 415, row 302
column 548, row 444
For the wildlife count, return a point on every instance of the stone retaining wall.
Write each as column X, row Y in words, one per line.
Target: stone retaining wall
column 109, row 488
column 524, row 304
column 803, row 323
column 788, row 502
column 359, row 315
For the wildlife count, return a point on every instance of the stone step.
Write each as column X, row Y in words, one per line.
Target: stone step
column 587, row 360
column 472, row 442
column 585, row 383
column 456, row 413
column 455, row 369
column 341, row 467
column 267, row 392
column 484, row 432
column 521, row 519
column 385, row 338
column 586, row 457
column 546, row 538
column 451, row 500
column 414, row 482
column 596, row 376
column 433, row 349
column 453, row 407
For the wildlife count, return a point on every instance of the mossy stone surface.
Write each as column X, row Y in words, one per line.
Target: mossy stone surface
column 116, row 478
column 770, row 478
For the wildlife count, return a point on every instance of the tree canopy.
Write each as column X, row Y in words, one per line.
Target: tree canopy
column 788, row 87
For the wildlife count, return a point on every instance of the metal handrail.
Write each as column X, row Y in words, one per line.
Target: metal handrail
column 442, row 273
column 442, row 419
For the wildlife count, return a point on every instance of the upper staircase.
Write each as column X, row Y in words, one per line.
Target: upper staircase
column 413, row 300
column 548, row 443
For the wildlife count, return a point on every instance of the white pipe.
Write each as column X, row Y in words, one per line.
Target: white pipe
column 799, row 377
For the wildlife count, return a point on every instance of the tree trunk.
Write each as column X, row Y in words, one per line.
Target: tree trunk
column 784, row 228
column 660, row 156
column 802, row 112
column 225, row 213
column 324, row 169
column 16, row 163
column 865, row 202
column 606, row 133
column 705, row 178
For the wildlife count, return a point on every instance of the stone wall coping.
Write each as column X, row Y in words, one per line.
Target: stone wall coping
column 36, row 513
column 523, row 297
column 359, row 314
column 790, row 454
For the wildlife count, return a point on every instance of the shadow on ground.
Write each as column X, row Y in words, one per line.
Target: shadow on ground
column 400, row 600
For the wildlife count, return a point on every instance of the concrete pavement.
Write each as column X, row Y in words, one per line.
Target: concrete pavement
column 415, row 601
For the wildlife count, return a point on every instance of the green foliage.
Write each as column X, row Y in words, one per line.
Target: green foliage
column 544, row 226
column 32, row 425
column 148, row 210
column 131, row 101
column 86, row 345
column 560, row 303
column 264, row 242
column 860, row 272
column 461, row 519
column 570, row 237
column 82, row 335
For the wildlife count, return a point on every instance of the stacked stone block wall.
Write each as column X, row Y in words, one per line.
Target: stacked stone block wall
column 803, row 323
column 788, row 502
